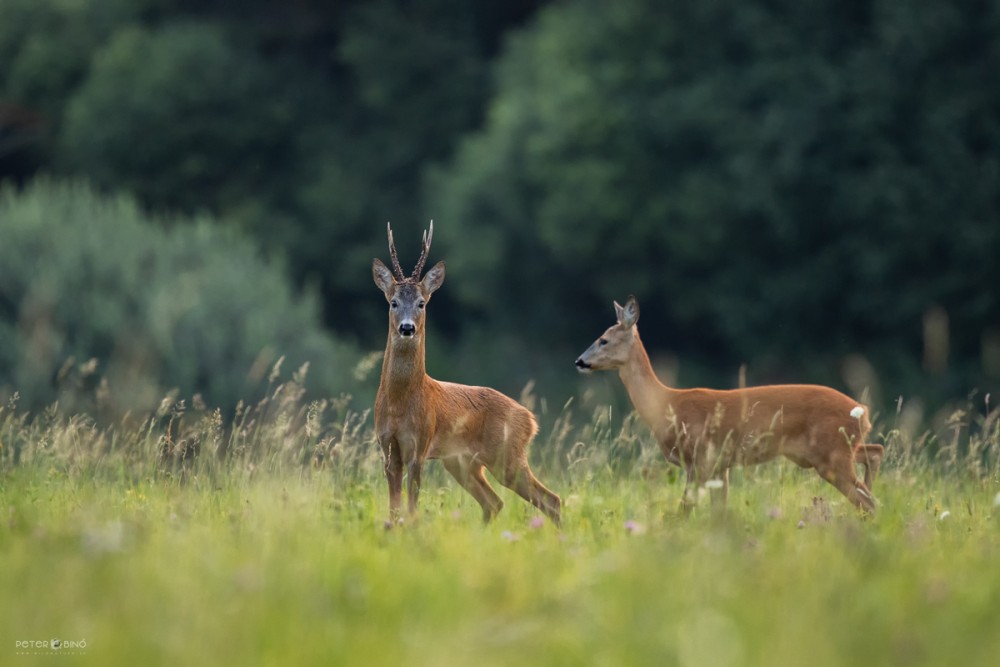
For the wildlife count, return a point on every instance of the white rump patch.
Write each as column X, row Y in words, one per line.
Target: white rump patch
column 858, row 412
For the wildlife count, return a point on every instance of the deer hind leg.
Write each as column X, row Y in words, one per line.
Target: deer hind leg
column 472, row 477
column 838, row 470
column 520, row 479
column 869, row 456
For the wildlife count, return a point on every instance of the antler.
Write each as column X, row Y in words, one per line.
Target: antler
column 424, row 252
column 396, row 268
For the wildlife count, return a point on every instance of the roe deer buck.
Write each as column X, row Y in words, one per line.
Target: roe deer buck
column 708, row 431
column 470, row 429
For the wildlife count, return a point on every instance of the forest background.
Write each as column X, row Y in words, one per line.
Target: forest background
column 192, row 191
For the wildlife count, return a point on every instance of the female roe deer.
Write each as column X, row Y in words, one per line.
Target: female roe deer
column 470, row 429
column 708, row 431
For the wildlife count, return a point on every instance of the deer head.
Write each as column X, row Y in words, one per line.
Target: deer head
column 612, row 349
column 407, row 296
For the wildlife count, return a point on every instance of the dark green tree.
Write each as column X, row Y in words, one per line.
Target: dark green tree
column 780, row 184
column 181, row 118
column 45, row 51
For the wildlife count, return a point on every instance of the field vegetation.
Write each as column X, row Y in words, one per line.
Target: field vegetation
column 180, row 538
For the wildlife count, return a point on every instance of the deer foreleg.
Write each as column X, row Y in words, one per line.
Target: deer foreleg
column 721, row 494
column 690, row 497
column 393, row 462
column 413, row 483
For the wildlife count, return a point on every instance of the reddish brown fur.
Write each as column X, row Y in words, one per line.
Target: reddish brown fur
column 708, row 431
column 471, row 429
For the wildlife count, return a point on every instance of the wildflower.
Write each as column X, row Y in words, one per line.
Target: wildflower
column 944, row 515
column 509, row 536
column 634, row 527
column 857, row 412
column 536, row 522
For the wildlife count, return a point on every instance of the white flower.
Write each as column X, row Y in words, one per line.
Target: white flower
column 944, row 515
column 106, row 539
column 857, row 412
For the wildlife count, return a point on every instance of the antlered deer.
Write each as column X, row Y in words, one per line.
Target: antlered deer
column 471, row 429
column 708, row 431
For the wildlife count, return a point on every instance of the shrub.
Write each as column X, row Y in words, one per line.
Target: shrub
column 98, row 302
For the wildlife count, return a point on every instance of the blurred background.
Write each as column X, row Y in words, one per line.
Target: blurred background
column 191, row 191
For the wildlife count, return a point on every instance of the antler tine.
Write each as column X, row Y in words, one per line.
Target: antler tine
column 396, row 268
column 426, row 242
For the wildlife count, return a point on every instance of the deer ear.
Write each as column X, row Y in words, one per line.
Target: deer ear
column 383, row 276
column 630, row 313
column 433, row 278
column 619, row 311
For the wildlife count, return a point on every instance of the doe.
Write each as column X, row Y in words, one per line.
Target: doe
column 708, row 431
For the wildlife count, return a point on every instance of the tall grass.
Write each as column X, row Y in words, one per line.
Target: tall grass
column 180, row 537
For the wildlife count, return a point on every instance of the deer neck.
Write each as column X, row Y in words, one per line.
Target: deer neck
column 404, row 366
column 651, row 398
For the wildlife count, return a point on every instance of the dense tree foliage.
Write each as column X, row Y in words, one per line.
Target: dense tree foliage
column 807, row 182
column 146, row 87
column 784, row 184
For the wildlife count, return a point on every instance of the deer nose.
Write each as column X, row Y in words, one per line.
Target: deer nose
column 407, row 329
column 580, row 363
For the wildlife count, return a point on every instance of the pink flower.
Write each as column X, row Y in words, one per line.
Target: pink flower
column 634, row 527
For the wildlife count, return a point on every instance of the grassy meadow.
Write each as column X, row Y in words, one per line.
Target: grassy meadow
column 180, row 539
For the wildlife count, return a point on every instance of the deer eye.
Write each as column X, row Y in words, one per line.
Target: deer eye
column 420, row 305
column 394, row 303
column 602, row 342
